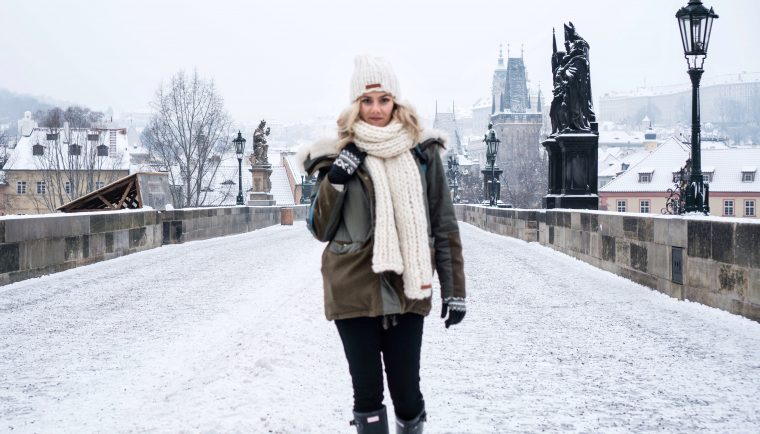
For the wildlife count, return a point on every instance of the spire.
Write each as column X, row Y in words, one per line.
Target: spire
column 522, row 51
column 436, row 107
column 500, row 63
column 538, row 102
column 453, row 112
column 507, row 50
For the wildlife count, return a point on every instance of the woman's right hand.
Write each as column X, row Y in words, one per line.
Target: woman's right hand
column 345, row 165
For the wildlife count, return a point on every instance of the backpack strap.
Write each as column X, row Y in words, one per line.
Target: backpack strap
column 421, row 157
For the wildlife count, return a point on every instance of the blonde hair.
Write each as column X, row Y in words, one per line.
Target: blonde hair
column 402, row 112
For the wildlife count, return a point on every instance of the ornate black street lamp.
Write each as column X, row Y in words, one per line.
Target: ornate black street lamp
column 492, row 182
column 695, row 22
column 240, row 150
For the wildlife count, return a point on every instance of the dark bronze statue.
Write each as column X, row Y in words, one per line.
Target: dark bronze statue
column 572, row 107
column 260, row 147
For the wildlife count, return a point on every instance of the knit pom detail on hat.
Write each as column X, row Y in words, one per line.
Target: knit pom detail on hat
column 373, row 74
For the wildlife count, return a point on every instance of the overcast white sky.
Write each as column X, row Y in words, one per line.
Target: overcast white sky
column 292, row 59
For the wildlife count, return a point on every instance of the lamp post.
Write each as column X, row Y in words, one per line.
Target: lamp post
column 453, row 174
column 307, row 184
column 492, row 181
column 240, row 150
column 695, row 23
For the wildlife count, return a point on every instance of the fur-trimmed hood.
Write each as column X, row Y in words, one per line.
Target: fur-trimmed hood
column 307, row 155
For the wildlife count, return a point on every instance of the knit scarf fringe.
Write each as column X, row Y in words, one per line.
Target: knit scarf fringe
column 401, row 238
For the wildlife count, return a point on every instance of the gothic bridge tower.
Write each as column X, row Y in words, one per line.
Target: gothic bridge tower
column 517, row 121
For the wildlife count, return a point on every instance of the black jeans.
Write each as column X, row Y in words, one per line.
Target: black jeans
column 364, row 339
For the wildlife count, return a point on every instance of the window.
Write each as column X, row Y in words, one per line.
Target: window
column 728, row 207
column 21, row 187
column 102, row 151
column 75, row 149
column 621, row 205
column 749, row 208
column 748, row 176
column 38, row 149
column 644, row 206
column 707, row 177
column 645, row 177
column 98, row 185
column 67, row 187
column 41, row 188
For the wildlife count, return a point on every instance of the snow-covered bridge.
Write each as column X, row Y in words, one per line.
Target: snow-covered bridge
column 228, row 335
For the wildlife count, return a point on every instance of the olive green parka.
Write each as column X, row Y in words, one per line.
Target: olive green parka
column 345, row 220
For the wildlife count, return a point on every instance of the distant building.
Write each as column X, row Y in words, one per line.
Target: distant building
column 733, row 100
column 731, row 173
column 447, row 122
column 50, row 167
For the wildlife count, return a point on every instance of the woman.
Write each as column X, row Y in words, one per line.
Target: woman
column 383, row 204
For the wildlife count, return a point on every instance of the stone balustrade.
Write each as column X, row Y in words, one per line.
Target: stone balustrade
column 711, row 260
column 32, row 246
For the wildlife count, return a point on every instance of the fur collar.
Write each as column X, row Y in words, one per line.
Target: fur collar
column 329, row 146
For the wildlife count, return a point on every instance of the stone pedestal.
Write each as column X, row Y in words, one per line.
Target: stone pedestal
column 572, row 171
column 261, row 186
column 491, row 175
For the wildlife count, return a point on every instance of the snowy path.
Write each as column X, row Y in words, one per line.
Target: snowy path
column 228, row 335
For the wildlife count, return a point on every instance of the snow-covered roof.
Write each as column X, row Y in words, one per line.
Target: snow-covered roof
column 292, row 162
column 115, row 139
column 613, row 162
column 619, row 137
column 281, row 192
column 725, row 164
column 749, row 169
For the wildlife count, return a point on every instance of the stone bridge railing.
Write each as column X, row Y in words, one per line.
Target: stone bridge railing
column 711, row 260
column 35, row 245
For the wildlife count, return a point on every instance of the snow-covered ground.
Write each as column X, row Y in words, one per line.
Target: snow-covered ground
column 228, row 335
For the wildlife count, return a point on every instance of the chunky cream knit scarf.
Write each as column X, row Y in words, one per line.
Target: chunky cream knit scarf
column 401, row 238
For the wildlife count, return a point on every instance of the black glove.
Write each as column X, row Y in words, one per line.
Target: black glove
column 345, row 165
column 456, row 308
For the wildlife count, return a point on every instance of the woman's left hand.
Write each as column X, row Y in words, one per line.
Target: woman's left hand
column 456, row 307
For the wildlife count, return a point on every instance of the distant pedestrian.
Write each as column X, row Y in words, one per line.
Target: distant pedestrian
column 383, row 204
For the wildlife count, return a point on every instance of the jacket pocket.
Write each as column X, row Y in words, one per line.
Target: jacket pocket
column 350, row 285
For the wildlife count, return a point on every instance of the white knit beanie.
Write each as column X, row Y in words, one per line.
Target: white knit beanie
column 373, row 74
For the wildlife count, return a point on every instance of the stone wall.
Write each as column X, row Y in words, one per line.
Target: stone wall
column 720, row 257
column 32, row 246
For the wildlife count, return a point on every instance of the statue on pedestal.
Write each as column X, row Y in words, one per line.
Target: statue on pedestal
column 572, row 108
column 573, row 146
column 260, row 147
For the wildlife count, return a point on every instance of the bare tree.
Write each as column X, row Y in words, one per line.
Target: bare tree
column 525, row 180
column 189, row 132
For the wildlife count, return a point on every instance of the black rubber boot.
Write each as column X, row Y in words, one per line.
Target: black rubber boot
column 374, row 422
column 413, row 426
